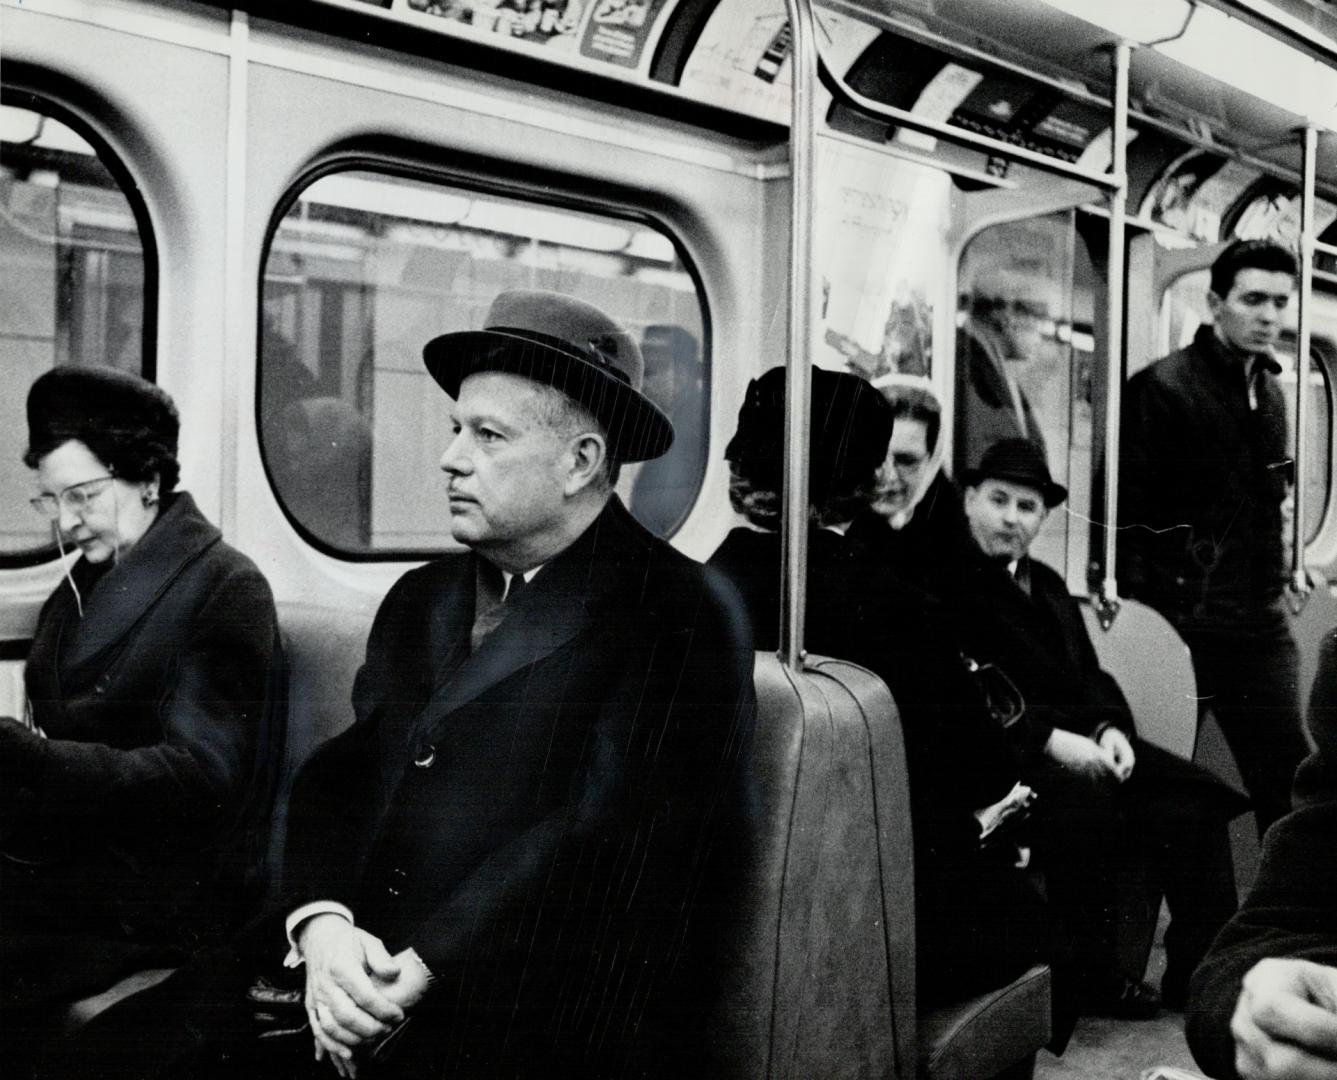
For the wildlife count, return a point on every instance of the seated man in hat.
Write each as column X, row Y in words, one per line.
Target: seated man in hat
column 501, row 867
column 1116, row 806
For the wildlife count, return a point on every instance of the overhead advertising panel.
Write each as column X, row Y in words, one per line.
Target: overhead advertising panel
column 583, row 33
column 741, row 61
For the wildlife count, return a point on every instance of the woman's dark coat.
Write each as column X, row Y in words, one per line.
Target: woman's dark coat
column 978, row 924
column 130, row 835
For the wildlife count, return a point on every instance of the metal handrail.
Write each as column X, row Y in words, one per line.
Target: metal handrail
column 1299, row 585
column 1107, row 599
column 798, row 373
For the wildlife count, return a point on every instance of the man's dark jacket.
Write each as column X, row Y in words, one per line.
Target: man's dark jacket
column 1032, row 627
column 132, row 827
column 1041, row 642
column 537, row 818
column 1202, row 478
column 1292, row 909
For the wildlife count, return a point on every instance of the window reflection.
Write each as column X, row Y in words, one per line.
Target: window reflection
column 366, row 267
column 71, row 282
column 1024, row 359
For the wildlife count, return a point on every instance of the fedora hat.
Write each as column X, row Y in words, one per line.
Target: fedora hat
column 1018, row 461
column 567, row 344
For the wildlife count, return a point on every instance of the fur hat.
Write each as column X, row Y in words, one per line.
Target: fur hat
column 850, row 428
column 127, row 422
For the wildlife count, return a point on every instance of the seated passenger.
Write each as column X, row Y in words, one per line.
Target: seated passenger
column 1263, row 1005
column 497, row 870
column 1101, row 785
column 915, row 521
column 134, row 796
column 978, row 922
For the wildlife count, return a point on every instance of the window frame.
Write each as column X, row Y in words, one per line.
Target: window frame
column 557, row 192
column 18, row 95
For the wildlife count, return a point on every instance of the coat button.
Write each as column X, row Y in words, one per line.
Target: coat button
column 426, row 757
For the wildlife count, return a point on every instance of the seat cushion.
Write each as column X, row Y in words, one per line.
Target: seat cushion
column 989, row 1033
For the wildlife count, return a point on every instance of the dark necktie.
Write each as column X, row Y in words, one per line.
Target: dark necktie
column 517, row 586
column 490, row 585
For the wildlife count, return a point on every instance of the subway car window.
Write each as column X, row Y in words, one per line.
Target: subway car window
column 1024, row 351
column 1184, row 309
column 365, row 267
column 72, row 283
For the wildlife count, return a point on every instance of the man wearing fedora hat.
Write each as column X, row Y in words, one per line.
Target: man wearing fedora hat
column 1118, row 808
column 537, row 771
column 504, row 866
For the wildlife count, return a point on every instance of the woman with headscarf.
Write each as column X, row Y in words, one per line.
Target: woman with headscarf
column 134, row 794
column 978, row 921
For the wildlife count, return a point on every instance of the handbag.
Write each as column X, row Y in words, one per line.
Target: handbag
column 1000, row 694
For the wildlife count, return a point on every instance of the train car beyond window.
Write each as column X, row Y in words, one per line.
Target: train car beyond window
column 365, row 266
column 74, row 258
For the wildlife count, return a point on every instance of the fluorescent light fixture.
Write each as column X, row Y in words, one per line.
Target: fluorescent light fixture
column 26, row 126
column 1221, row 47
column 57, row 136
column 17, row 125
column 548, row 226
column 1134, row 21
column 388, row 198
column 651, row 245
column 1228, row 50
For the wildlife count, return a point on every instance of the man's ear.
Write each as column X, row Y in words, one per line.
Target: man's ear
column 588, row 454
column 1214, row 303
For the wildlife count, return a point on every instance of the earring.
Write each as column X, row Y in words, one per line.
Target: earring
column 149, row 498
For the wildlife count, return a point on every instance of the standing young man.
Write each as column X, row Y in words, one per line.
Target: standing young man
column 1204, row 473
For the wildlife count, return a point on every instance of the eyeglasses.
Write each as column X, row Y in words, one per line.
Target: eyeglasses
column 77, row 498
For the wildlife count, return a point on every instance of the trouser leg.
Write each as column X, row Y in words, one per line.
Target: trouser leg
column 1082, row 846
column 192, row 1024
column 1179, row 817
column 1250, row 680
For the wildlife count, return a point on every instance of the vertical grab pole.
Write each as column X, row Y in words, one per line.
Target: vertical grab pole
column 1107, row 603
column 1299, row 583
column 798, row 375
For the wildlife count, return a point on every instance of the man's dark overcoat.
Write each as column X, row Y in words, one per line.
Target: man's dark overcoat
column 1176, row 812
column 128, row 834
column 536, row 818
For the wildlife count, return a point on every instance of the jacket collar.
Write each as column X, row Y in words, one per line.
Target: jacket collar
column 553, row 609
column 1223, row 360
column 126, row 591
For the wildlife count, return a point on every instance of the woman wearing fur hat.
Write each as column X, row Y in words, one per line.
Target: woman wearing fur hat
column 978, row 923
column 133, row 795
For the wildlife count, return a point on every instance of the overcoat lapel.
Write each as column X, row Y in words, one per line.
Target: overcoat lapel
column 557, row 606
column 129, row 589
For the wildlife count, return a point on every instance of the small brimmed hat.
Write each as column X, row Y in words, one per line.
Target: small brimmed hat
column 100, row 406
column 847, row 439
column 1018, row 461
column 564, row 343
